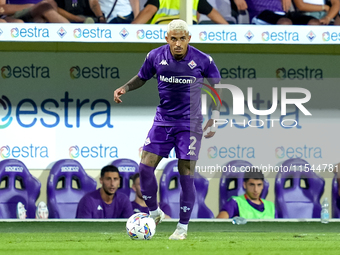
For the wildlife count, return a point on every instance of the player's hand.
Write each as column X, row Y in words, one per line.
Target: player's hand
column 241, row 5
column 286, row 5
column 117, row 94
column 208, row 125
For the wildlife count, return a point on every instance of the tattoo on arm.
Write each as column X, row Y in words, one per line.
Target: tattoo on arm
column 218, row 106
column 134, row 83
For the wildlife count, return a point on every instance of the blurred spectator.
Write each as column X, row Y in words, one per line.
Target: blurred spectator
column 79, row 11
column 156, row 11
column 264, row 12
column 319, row 9
column 138, row 205
column 250, row 205
column 105, row 202
column 120, row 11
column 224, row 8
column 31, row 11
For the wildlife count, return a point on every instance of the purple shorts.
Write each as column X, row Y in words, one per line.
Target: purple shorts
column 161, row 140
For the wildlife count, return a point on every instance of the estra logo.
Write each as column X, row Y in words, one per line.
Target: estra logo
column 7, row 106
column 305, row 152
column 6, row 72
column 5, row 152
column 31, row 71
column 36, row 32
column 74, row 152
column 93, row 33
column 203, row 36
column 140, row 34
column 151, row 33
column 29, row 151
column 95, row 72
column 307, row 73
column 93, row 151
column 52, row 107
column 212, row 152
column 233, row 152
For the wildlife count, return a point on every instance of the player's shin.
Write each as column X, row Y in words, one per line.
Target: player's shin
column 187, row 199
column 148, row 184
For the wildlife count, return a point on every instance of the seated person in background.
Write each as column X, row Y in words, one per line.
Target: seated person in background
column 81, row 11
column 224, row 8
column 138, row 205
column 319, row 9
column 264, row 12
column 249, row 205
column 31, row 11
column 158, row 9
column 105, row 202
column 120, row 11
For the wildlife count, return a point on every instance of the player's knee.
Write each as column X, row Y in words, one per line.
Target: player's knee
column 150, row 159
column 186, row 167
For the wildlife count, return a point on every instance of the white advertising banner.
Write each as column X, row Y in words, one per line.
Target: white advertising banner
column 223, row 34
column 52, row 110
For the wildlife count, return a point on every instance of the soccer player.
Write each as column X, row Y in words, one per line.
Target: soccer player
column 180, row 70
column 249, row 205
column 105, row 203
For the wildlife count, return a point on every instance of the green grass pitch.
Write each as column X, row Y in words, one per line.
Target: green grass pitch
column 73, row 238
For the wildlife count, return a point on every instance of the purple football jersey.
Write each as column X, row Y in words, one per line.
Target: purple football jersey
column 179, row 84
column 255, row 7
column 92, row 206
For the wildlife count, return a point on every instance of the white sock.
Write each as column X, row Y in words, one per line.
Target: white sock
column 155, row 212
column 183, row 226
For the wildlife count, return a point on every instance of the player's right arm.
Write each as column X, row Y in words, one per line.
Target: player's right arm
column 145, row 73
column 132, row 84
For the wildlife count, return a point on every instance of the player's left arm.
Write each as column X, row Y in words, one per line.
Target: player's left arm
column 213, row 76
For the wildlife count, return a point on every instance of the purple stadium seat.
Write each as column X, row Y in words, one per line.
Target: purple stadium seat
column 298, row 191
column 231, row 183
column 19, row 186
column 170, row 195
column 335, row 198
column 127, row 168
column 67, row 184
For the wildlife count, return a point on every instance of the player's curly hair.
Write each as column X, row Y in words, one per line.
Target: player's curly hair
column 178, row 24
